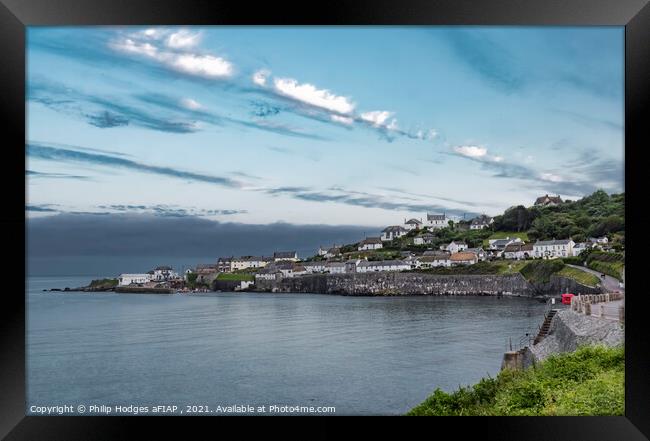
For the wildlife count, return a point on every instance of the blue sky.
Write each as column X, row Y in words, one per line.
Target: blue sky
column 322, row 125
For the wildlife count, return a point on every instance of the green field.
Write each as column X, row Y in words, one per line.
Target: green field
column 504, row 234
column 579, row 276
column 236, row 277
column 589, row 381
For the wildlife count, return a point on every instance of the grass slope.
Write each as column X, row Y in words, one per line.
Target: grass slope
column 589, row 381
column 579, row 276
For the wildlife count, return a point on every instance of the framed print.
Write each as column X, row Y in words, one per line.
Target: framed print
column 375, row 210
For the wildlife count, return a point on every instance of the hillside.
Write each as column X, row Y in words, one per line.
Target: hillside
column 598, row 214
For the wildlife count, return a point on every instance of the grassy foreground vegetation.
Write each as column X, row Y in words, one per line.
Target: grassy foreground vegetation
column 589, row 381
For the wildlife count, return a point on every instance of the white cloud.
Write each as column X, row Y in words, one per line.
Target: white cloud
column 550, row 177
column 309, row 94
column 183, row 39
column 189, row 103
column 471, row 151
column 260, row 77
column 377, row 117
column 137, row 48
column 342, row 119
column 202, row 65
column 207, row 66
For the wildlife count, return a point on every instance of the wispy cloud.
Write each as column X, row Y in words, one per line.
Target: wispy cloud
column 37, row 174
column 174, row 51
column 43, row 208
column 587, row 174
column 180, row 115
column 337, row 195
column 326, row 106
column 366, row 200
column 490, row 61
column 168, row 210
column 68, row 155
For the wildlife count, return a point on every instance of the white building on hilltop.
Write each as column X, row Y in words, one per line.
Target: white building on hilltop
column 370, row 243
column 437, row 221
column 413, row 224
column 393, row 232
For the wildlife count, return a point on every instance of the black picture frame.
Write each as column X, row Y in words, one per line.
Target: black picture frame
column 15, row 15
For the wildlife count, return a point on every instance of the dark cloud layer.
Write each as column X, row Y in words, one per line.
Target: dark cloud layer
column 146, row 235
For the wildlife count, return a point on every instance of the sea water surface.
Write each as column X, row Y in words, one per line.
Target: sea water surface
column 362, row 355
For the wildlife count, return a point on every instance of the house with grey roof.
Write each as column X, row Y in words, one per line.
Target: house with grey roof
column 366, row 266
column 285, row 255
column 548, row 201
column 423, row 239
column 370, row 243
column 437, row 221
column 412, row 224
column 480, row 222
column 393, row 232
column 550, row 249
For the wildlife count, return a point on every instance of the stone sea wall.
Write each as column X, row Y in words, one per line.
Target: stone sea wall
column 401, row 284
column 569, row 330
column 411, row 283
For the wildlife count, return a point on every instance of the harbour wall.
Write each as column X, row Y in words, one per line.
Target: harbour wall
column 411, row 283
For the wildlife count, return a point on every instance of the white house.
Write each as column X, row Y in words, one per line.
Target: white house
column 335, row 267
column 393, row 232
column 518, row 251
column 463, row 258
column 315, row 267
column 133, row 279
column 480, row 253
column 580, row 247
column 382, row 265
column 412, row 224
column 437, row 221
column 432, row 261
column 163, row 274
column 423, row 239
column 322, row 251
column 333, row 252
column 271, row 273
column 454, row 247
column 549, row 249
column 285, row 255
column 286, row 268
column 370, row 243
column 599, row 240
column 500, row 244
column 246, row 262
column 480, row 222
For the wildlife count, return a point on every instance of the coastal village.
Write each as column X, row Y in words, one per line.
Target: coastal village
column 412, row 245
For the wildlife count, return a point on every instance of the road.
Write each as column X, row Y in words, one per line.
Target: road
column 609, row 283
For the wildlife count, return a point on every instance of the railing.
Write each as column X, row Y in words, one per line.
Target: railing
column 527, row 338
column 599, row 305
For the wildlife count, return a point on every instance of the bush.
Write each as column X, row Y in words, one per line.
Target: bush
column 576, row 260
column 589, row 381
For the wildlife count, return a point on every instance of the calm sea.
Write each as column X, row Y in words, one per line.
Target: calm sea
column 362, row 355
